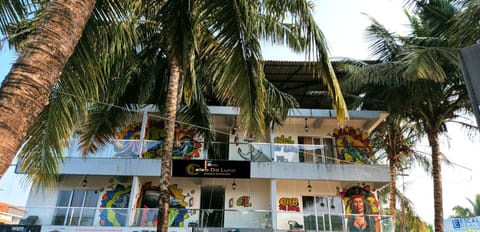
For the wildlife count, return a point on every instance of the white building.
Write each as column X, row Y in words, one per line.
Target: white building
column 299, row 179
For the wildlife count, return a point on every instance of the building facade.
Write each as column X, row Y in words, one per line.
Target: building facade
column 309, row 174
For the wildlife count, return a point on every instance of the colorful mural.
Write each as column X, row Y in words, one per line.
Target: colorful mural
column 114, row 206
column 353, row 145
column 148, row 202
column 126, row 146
column 244, row 201
column 186, row 145
column 361, row 208
column 289, row 204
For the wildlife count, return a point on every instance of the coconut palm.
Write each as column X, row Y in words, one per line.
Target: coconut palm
column 26, row 89
column 397, row 138
column 394, row 139
column 228, row 35
column 11, row 14
column 426, row 70
column 186, row 29
column 405, row 218
column 86, row 74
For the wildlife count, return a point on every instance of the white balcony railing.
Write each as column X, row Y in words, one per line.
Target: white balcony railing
column 200, row 218
column 257, row 152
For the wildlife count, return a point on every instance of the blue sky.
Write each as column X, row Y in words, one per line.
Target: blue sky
column 343, row 24
column 7, row 58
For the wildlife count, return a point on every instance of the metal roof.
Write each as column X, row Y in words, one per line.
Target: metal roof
column 297, row 78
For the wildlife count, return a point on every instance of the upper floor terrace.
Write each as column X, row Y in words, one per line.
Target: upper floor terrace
column 324, row 151
column 310, row 139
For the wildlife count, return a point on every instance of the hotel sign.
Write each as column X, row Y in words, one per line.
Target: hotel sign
column 211, row 168
column 462, row 224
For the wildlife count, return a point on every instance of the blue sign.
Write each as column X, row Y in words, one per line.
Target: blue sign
column 462, row 224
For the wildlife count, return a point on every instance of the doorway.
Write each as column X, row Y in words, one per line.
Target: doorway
column 212, row 205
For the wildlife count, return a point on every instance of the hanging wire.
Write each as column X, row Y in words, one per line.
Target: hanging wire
column 336, row 160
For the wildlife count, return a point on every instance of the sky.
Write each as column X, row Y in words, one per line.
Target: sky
column 343, row 23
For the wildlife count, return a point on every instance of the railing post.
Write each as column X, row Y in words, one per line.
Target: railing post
column 142, row 132
column 272, row 141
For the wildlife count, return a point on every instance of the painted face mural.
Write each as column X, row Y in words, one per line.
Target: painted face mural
column 114, row 206
column 361, row 209
column 353, row 145
column 148, row 202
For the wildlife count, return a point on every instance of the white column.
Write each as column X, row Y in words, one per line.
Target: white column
column 134, row 191
column 273, row 202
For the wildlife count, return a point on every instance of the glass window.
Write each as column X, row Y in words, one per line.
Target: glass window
column 75, row 207
column 323, row 213
column 316, row 150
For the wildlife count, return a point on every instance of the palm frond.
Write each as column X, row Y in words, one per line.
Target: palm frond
column 43, row 150
column 465, row 30
column 275, row 98
column 235, row 61
column 428, row 62
column 384, row 44
column 315, row 47
column 101, row 125
column 197, row 115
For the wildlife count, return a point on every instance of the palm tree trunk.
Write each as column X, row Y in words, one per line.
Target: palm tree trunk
column 27, row 87
column 437, row 181
column 171, row 107
column 392, row 187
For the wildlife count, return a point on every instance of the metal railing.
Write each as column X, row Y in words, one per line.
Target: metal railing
column 201, row 218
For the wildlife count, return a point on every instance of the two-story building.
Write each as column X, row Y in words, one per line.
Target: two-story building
column 303, row 177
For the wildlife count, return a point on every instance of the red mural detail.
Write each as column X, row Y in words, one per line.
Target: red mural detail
column 353, row 145
column 289, row 204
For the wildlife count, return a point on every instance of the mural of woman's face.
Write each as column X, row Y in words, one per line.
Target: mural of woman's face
column 358, row 205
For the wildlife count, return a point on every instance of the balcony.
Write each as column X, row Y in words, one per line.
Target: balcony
column 277, row 161
column 251, row 151
column 100, row 219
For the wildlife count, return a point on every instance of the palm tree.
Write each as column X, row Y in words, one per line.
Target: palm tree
column 394, row 138
column 404, row 219
column 25, row 91
column 186, row 29
column 426, row 69
column 397, row 138
column 86, row 78
column 461, row 212
column 233, row 52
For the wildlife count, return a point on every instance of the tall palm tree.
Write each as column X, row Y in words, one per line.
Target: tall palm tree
column 186, row 29
column 397, row 138
column 426, row 69
column 230, row 34
column 394, row 139
column 404, row 219
column 86, row 78
column 25, row 91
